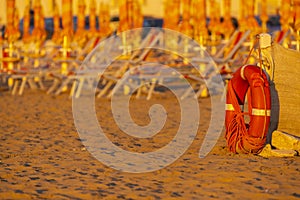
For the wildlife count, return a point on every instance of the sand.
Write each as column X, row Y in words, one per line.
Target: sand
column 42, row 157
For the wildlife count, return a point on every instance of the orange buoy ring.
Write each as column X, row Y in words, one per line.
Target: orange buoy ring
column 242, row 137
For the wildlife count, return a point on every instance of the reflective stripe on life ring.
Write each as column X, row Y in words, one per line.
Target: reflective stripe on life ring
column 255, row 111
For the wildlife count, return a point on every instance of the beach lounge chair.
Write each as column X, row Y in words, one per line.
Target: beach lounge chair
column 219, row 64
column 135, row 59
column 33, row 67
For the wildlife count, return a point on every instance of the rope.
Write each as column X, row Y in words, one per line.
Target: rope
column 237, row 135
column 251, row 50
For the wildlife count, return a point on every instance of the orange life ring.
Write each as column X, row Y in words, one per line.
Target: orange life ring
column 242, row 137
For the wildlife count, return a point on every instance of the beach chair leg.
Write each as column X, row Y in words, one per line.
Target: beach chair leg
column 31, row 83
column 15, row 86
column 24, row 80
column 202, row 92
column 187, row 93
column 54, row 86
column 153, row 84
column 105, row 89
column 73, row 88
column 63, row 86
column 225, row 91
column 139, row 91
column 40, row 83
column 79, row 88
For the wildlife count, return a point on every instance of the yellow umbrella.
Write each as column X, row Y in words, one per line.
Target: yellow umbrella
column 285, row 13
column 251, row 21
column 123, row 15
column 67, row 19
column 297, row 22
column 26, row 24
column 199, row 21
column 264, row 15
column 104, row 20
column 57, row 35
column 185, row 26
column 93, row 32
column 138, row 18
column 38, row 32
column 227, row 26
column 12, row 34
column 214, row 23
column 81, row 34
column 171, row 14
column 243, row 16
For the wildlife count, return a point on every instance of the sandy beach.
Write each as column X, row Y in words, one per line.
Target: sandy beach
column 42, row 157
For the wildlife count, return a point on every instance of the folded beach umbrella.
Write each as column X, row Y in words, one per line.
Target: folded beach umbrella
column 199, row 21
column 26, row 25
column 171, row 14
column 11, row 32
column 38, row 33
column 67, row 18
column 93, row 32
column 80, row 36
column 104, row 20
column 57, row 34
column 185, row 25
column 227, row 27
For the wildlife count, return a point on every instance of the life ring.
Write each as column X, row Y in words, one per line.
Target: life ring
column 242, row 137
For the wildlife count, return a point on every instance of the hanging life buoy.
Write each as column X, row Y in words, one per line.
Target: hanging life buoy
column 251, row 137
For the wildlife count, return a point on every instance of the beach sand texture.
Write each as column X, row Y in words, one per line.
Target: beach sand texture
column 42, row 157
